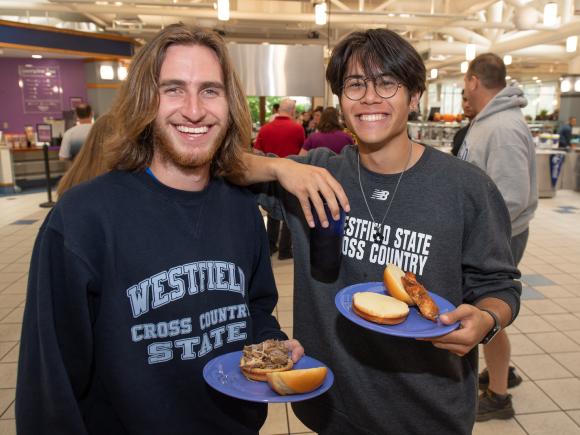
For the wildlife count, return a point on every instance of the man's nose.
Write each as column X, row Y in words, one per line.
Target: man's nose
column 193, row 107
column 371, row 96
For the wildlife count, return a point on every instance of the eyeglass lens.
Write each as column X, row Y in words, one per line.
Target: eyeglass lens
column 355, row 88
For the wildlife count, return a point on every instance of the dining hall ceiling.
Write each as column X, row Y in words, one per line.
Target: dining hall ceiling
column 439, row 29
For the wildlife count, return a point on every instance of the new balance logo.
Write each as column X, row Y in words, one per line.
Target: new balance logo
column 381, row 195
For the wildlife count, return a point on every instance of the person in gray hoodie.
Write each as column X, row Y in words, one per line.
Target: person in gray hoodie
column 500, row 143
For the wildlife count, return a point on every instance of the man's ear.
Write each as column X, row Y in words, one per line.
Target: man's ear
column 414, row 102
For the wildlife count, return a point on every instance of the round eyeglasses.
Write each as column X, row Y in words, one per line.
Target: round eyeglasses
column 355, row 88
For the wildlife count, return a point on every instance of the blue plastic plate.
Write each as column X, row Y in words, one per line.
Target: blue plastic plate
column 223, row 373
column 415, row 326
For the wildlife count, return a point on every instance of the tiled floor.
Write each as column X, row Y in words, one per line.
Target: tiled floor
column 545, row 338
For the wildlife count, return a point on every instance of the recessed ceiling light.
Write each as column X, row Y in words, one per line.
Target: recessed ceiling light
column 37, row 56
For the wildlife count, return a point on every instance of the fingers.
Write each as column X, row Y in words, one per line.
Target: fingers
column 296, row 348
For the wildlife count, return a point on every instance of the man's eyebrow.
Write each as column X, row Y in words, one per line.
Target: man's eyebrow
column 182, row 83
column 353, row 76
column 171, row 82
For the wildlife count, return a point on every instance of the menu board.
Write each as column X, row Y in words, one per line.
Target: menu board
column 41, row 88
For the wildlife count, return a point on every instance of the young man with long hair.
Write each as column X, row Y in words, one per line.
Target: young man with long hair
column 408, row 204
column 141, row 276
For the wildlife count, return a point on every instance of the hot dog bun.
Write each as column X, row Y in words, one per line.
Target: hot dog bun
column 379, row 308
column 393, row 280
column 296, row 381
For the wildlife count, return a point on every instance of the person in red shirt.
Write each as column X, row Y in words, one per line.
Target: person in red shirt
column 282, row 136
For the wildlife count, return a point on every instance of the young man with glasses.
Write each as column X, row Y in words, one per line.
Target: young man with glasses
column 408, row 204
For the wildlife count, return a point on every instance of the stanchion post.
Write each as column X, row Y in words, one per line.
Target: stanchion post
column 49, row 203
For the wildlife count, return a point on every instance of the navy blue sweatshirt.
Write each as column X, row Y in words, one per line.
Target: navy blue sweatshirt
column 133, row 288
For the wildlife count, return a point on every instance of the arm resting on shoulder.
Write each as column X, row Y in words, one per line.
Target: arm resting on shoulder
column 312, row 185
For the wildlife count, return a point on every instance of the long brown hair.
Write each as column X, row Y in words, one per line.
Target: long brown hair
column 329, row 121
column 90, row 161
column 132, row 146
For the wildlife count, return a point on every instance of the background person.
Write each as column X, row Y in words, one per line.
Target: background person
column 329, row 134
column 141, row 276
column 283, row 137
column 499, row 142
column 565, row 132
column 90, row 161
column 74, row 138
column 459, row 136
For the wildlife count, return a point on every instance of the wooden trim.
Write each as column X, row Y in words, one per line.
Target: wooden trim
column 63, row 51
column 68, row 31
column 103, row 85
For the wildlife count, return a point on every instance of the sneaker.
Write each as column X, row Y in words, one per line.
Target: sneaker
column 492, row 406
column 513, row 379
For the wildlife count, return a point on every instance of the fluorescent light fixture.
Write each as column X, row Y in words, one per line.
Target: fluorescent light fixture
column 538, row 81
column 464, row 66
column 107, row 72
column 434, row 73
column 223, row 9
column 320, row 13
column 470, row 52
column 551, row 14
column 577, row 85
column 535, row 78
column 121, row 72
column 507, row 59
column 565, row 86
column 508, row 77
column 571, row 44
column 37, row 56
column 554, row 103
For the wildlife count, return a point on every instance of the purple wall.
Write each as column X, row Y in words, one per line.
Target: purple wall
column 72, row 78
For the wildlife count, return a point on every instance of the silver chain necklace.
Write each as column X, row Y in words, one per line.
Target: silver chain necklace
column 377, row 235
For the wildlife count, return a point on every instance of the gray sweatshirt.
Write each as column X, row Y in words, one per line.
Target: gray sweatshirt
column 449, row 225
column 499, row 142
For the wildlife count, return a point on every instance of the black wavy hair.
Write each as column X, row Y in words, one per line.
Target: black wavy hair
column 378, row 51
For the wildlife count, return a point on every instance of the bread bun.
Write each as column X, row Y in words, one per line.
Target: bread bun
column 379, row 308
column 392, row 277
column 261, row 374
column 297, row 381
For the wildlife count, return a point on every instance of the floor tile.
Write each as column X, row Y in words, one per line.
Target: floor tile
column 549, row 424
column 498, row 427
column 570, row 360
column 530, row 324
column 7, row 396
column 556, row 291
column 536, row 280
column 531, row 293
column 15, row 316
column 12, row 355
column 571, row 305
column 522, row 345
column 528, row 398
column 541, row 367
column 563, row 322
column 574, row 415
column 9, row 413
column 554, row 342
column 8, row 375
column 574, row 335
column 565, row 392
column 544, row 306
column 277, row 421
column 7, row 427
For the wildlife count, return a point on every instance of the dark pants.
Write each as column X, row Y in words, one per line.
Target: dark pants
column 273, row 230
column 518, row 245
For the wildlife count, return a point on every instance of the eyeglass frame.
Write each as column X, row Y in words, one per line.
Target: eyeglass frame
column 365, row 80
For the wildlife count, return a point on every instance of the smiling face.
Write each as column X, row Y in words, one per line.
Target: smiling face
column 193, row 107
column 376, row 121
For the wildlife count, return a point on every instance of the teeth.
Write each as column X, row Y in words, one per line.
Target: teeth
column 372, row 117
column 192, row 130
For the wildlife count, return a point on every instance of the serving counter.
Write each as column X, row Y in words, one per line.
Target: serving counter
column 28, row 164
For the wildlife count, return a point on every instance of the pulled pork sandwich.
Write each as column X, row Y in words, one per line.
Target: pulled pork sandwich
column 266, row 357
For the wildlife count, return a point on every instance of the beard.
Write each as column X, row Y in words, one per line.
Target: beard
column 170, row 153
